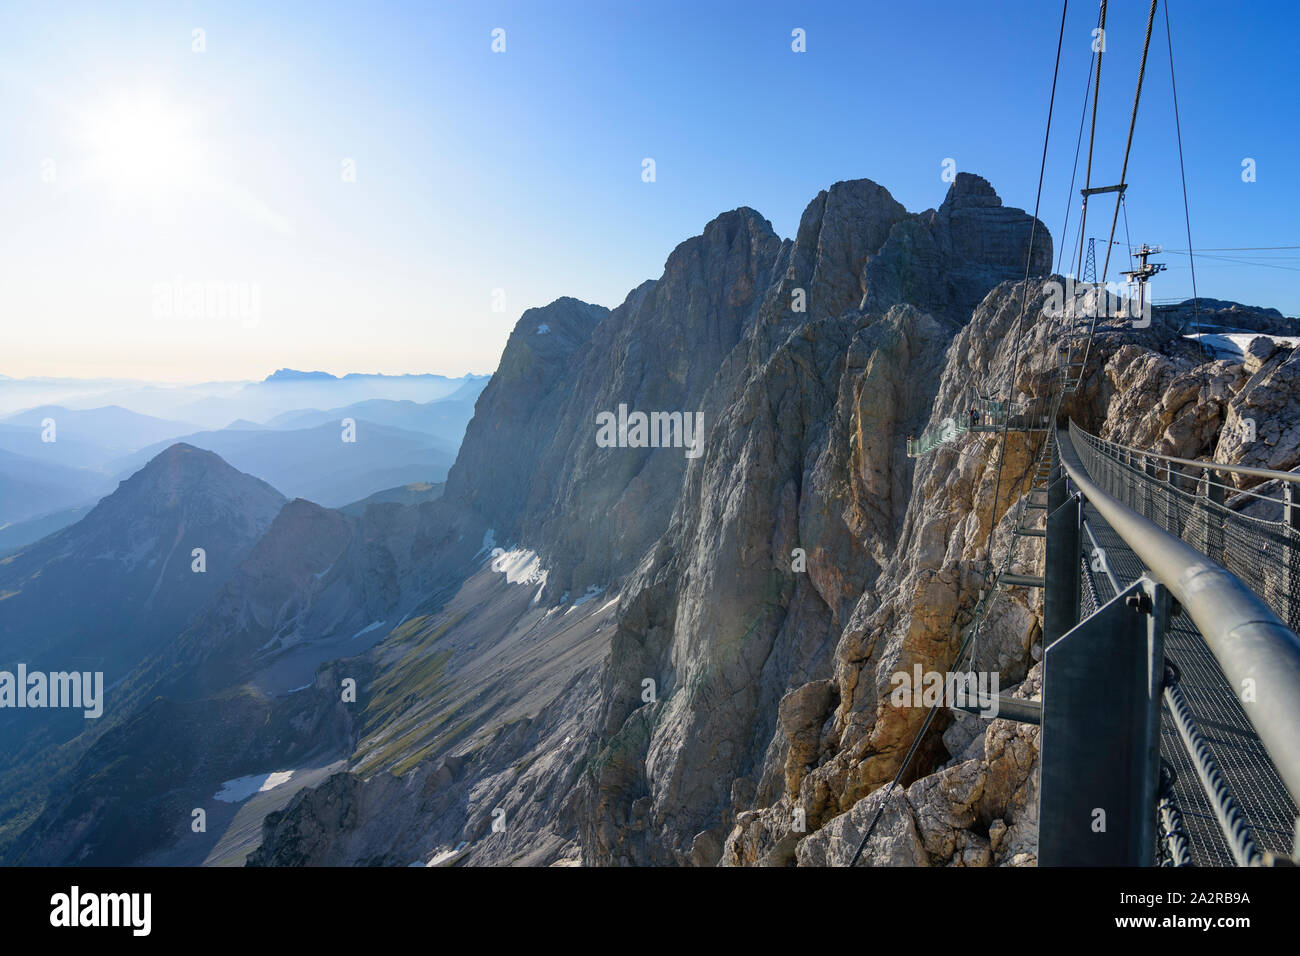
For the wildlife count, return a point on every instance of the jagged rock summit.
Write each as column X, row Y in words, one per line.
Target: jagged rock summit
column 810, row 359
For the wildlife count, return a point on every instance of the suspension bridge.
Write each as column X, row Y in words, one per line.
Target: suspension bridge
column 1170, row 704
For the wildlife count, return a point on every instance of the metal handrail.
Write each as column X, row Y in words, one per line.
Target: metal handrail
column 1253, row 646
column 1234, row 498
column 992, row 413
column 1267, row 473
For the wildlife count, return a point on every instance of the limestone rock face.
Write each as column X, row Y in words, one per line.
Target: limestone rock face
column 1142, row 388
column 1211, row 314
column 841, row 231
column 1270, row 399
column 896, row 841
column 945, row 260
column 772, row 589
column 808, row 458
column 515, row 413
column 530, row 467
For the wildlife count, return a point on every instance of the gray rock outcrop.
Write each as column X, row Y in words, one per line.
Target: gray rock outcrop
column 770, row 588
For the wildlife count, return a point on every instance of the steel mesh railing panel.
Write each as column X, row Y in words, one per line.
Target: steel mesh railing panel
column 991, row 412
column 1263, row 555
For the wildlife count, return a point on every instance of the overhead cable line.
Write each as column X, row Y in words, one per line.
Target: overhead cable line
column 1029, row 258
column 1182, row 172
column 1092, row 132
column 1128, row 147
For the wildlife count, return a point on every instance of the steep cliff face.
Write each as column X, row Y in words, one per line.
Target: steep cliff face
column 739, row 569
column 515, row 414
column 720, row 618
column 945, row 260
column 970, row 797
column 842, row 739
column 595, row 510
column 732, row 704
column 686, row 343
column 795, row 508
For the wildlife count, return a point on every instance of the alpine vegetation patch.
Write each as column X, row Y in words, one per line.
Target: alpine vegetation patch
column 928, row 688
column 75, row 908
column 75, row 689
column 651, row 430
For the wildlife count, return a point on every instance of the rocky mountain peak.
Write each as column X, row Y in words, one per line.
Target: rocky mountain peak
column 192, row 481
column 944, row 261
column 971, row 191
column 510, row 418
column 125, row 579
column 555, row 330
column 743, row 223
column 839, row 232
column 182, row 455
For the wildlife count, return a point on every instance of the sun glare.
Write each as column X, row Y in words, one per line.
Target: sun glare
column 142, row 145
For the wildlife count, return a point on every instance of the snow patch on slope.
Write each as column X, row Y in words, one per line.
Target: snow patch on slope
column 489, row 542
column 241, row 788
column 366, row 630
column 592, row 592
column 520, row 566
column 1233, row 345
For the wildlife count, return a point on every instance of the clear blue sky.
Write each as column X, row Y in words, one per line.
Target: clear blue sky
column 521, row 171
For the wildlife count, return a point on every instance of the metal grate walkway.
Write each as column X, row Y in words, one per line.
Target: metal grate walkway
column 1259, row 791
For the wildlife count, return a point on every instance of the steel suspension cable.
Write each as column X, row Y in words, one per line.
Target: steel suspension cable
column 1132, row 124
column 1128, row 147
column 1092, row 133
column 970, row 637
column 1182, row 172
column 1074, row 170
column 1024, row 295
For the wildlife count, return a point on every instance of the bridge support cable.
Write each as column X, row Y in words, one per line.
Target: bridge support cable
column 1074, row 169
column 1231, row 821
column 1029, row 261
column 1182, row 172
column 1128, row 147
column 1173, row 834
column 989, row 592
column 1092, row 134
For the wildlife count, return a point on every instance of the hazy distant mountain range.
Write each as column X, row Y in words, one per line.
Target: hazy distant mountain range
column 108, row 584
column 57, row 458
column 217, row 404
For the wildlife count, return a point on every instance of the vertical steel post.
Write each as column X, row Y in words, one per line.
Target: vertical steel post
column 1061, row 569
column 1171, row 508
column 1058, row 488
column 1213, row 515
column 1100, row 763
column 1131, row 485
column 1291, row 553
column 1148, row 487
